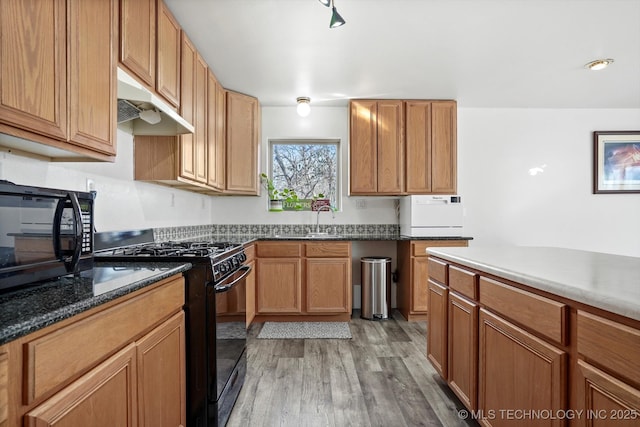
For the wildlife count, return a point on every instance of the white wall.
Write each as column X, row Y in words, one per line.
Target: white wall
column 284, row 123
column 121, row 203
column 496, row 148
column 505, row 205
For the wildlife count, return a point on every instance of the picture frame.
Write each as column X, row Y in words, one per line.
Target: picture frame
column 616, row 162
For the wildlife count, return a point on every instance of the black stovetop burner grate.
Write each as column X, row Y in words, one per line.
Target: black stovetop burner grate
column 173, row 249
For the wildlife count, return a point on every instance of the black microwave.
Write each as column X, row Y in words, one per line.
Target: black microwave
column 44, row 233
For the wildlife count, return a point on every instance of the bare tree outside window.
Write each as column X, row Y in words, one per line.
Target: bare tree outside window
column 310, row 167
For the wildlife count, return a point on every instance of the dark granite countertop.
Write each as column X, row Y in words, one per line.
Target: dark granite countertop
column 29, row 309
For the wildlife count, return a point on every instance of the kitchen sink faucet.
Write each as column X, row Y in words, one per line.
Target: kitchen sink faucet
column 320, row 209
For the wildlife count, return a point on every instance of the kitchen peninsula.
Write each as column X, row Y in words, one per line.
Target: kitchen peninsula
column 537, row 330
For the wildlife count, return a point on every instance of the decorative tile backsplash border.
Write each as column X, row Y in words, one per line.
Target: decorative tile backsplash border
column 163, row 234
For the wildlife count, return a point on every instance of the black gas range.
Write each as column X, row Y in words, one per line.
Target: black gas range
column 215, row 310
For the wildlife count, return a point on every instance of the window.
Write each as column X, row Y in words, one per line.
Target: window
column 309, row 167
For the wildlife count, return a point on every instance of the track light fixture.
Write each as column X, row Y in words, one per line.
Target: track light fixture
column 304, row 106
column 336, row 19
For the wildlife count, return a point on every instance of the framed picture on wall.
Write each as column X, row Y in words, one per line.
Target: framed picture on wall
column 616, row 162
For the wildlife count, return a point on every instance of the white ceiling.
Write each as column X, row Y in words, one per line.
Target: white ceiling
column 483, row 53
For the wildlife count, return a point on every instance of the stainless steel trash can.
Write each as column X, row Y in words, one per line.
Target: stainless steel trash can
column 376, row 287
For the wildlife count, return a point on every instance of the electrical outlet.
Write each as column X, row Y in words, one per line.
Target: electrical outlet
column 173, row 200
column 361, row 204
column 91, row 185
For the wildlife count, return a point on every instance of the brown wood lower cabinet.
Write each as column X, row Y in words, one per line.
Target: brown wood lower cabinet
column 118, row 365
column 279, row 287
column 437, row 328
column 161, row 375
column 310, row 281
column 518, row 371
column 516, row 356
column 607, row 400
column 325, row 282
column 462, row 359
column 413, row 269
column 105, row 397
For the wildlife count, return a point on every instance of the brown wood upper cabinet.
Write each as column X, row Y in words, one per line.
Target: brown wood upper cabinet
column 168, row 55
column 402, row 147
column 216, row 153
column 138, row 39
column 243, row 142
column 150, row 46
column 376, row 148
column 58, row 76
column 431, row 147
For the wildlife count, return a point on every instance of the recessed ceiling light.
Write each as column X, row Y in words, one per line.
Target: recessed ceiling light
column 598, row 64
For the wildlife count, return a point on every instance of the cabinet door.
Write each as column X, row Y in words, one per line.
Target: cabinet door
column 33, row 74
column 518, row 370
column 200, row 119
column 390, row 156
column 363, row 148
column 443, row 147
column 607, row 400
column 215, row 139
column 419, row 284
column 138, row 39
column 168, row 56
column 92, row 31
column 328, row 285
column 161, row 375
column 242, row 143
column 187, row 107
column 437, row 327
column 105, row 397
column 431, row 140
column 418, row 143
column 250, row 282
column 463, row 349
column 279, row 287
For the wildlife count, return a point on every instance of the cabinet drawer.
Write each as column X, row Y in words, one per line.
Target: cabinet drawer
column 56, row 357
column 420, row 247
column 328, row 250
column 437, row 270
column 610, row 344
column 278, row 249
column 539, row 314
column 463, row 281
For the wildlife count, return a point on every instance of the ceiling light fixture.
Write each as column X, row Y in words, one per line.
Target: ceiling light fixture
column 325, row 2
column 336, row 19
column 598, row 64
column 304, row 106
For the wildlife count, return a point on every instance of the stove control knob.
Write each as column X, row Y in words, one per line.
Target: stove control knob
column 224, row 267
column 242, row 257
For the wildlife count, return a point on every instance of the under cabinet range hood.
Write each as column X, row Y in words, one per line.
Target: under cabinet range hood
column 150, row 114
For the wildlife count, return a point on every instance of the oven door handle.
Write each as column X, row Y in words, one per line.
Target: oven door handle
column 221, row 287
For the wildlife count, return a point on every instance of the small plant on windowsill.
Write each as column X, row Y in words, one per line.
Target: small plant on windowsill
column 291, row 199
column 278, row 199
column 275, row 196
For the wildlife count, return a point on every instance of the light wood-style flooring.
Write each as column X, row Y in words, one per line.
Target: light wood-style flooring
column 381, row 377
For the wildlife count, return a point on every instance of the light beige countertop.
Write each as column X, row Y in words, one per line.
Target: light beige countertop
column 605, row 281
